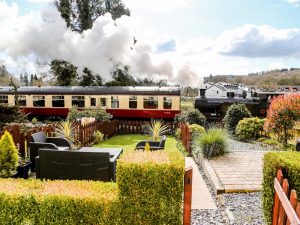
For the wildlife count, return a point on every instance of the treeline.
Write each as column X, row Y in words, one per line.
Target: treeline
column 269, row 80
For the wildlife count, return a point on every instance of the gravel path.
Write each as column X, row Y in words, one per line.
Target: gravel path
column 234, row 145
column 235, row 208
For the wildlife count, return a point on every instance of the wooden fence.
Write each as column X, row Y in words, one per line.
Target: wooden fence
column 187, row 195
column 286, row 209
column 84, row 134
column 186, row 137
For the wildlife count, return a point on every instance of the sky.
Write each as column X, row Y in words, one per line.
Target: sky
column 179, row 40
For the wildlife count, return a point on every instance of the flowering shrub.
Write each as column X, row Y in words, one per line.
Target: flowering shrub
column 282, row 114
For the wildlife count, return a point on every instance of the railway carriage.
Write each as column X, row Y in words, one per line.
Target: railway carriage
column 121, row 102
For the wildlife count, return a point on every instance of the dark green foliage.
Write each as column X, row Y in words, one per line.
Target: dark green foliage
column 64, row 72
column 98, row 114
column 191, row 116
column 151, row 187
column 249, row 128
column 213, row 143
column 88, row 78
column 122, row 77
column 9, row 114
column 289, row 162
column 234, row 114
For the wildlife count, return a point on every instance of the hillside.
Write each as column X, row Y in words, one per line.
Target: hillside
column 265, row 80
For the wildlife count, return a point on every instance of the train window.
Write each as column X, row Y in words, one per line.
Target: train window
column 3, row 99
column 103, row 102
column 22, row 100
column 132, row 102
column 58, row 101
column 78, row 101
column 167, row 103
column 114, row 102
column 39, row 101
column 93, row 102
column 150, row 102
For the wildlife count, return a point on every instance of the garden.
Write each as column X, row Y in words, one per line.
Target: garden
column 149, row 168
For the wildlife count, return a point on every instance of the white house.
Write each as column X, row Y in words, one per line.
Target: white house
column 223, row 90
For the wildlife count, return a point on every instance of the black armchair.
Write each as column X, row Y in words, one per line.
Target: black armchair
column 154, row 145
column 40, row 140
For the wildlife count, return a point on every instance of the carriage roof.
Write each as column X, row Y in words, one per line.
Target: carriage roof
column 93, row 90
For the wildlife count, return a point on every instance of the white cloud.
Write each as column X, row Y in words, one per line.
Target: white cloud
column 39, row 1
column 156, row 5
column 8, row 11
column 293, row 2
column 259, row 41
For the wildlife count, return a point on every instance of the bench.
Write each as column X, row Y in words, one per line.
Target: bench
column 154, row 145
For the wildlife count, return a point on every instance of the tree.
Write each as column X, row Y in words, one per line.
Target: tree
column 282, row 114
column 88, row 79
column 21, row 78
column 64, row 72
column 122, row 77
column 25, row 80
column 234, row 114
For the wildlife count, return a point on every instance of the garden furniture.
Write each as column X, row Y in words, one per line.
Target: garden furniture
column 298, row 145
column 84, row 164
column 40, row 140
column 154, row 145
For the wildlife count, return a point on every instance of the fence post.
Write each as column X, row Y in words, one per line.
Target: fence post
column 187, row 199
column 276, row 199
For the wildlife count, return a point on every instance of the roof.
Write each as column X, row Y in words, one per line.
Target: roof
column 90, row 90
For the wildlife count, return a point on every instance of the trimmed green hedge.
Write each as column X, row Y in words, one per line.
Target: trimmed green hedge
column 151, row 187
column 148, row 191
column 57, row 202
column 289, row 162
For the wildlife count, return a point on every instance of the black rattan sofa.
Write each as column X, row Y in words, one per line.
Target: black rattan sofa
column 85, row 164
column 154, row 145
column 40, row 140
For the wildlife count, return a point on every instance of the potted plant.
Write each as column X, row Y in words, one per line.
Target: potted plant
column 24, row 165
column 8, row 156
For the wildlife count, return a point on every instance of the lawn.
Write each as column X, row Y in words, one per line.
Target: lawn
column 129, row 141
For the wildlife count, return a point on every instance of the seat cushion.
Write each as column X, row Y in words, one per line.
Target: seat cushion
column 63, row 148
column 39, row 137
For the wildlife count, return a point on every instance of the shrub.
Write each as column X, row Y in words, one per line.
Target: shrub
column 177, row 133
column 156, row 129
column 9, row 114
column 249, row 128
column 196, row 130
column 191, row 116
column 151, row 187
column 98, row 114
column 213, row 143
column 282, row 114
column 234, row 114
column 289, row 162
column 8, row 155
column 57, row 202
column 66, row 129
column 98, row 137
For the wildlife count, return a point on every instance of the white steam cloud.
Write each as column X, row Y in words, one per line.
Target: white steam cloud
column 100, row 48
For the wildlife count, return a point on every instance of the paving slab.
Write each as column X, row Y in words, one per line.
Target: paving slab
column 201, row 197
column 240, row 171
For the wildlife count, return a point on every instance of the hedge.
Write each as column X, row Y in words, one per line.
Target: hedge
column 289, row 162
column 151, row 187
column 57, row 202
column 148, row 191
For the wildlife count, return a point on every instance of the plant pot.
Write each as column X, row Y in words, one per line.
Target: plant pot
column 22, row 170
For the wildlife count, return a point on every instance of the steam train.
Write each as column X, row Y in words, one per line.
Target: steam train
column 215, row 108
column 120, row 102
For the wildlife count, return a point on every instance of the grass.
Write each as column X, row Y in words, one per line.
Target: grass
column 129, row 141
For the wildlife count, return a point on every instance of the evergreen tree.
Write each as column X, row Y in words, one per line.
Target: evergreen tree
column 31, row 79
column 122, row 77
column 64, row 72
column 25, row 80
column 21, row 78
column 88, row 79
